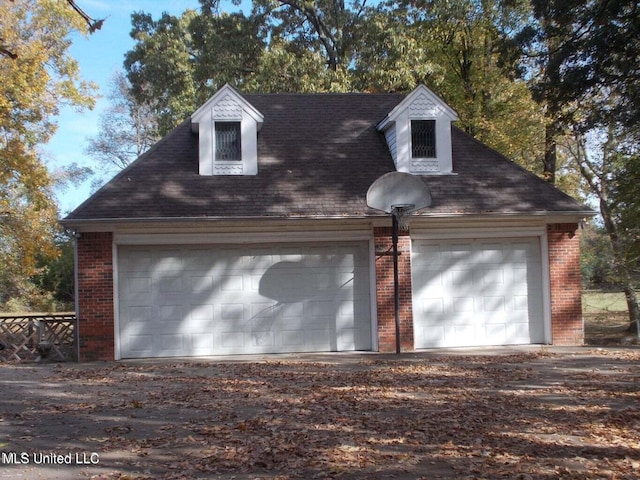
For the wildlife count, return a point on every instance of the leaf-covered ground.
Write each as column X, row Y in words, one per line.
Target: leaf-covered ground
column 518, row 414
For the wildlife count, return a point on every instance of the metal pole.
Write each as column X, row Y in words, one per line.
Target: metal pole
column 395, row 278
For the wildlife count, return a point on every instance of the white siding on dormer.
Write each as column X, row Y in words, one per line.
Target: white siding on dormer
column 227, row 109
column 421, row 104
column 227, row 105
column 423, row 108
column 249, row 130
column 206, row 146
column 390, row 135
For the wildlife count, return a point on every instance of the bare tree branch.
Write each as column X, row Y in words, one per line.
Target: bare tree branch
column 91, row 22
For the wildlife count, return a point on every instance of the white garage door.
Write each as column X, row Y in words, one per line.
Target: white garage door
column 477, row 292
column 218, row 300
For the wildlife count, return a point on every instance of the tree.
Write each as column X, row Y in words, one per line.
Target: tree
column 475, row 70
column 576, row 51
column 393, row 54
column 332, row 46
column 38, row 78
column 56, row 275
column 126, row 129
column 92, row 25
column 598, row 155
column 626, row 194
column 178, row 62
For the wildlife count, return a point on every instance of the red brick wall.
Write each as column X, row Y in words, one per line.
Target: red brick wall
column 567, row 326
column 95, row 296
column 385, row 298
column 95, row 290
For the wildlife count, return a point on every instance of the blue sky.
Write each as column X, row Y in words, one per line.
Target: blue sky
column 99, row 56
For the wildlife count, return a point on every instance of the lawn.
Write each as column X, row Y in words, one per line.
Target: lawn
column 594, row 301
column 606, row 319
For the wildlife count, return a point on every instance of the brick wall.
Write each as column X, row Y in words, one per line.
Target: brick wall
column 95, row 289
column 385, row 298
column 567, row 327
column 95, row 296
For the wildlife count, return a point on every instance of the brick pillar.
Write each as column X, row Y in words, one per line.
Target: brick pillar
column 567, row 326
column 385, row 299
column 95, row 296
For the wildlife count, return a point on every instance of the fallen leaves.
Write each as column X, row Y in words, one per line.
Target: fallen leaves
column 527, row 416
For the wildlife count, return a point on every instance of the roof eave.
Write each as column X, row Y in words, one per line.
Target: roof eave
column 108, row 224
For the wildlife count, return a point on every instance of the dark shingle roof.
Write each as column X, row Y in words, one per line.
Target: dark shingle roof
column 317, row 156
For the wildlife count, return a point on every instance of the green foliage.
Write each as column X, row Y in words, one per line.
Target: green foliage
column 461, row 49
column 179, row 62
column 56, row 275
column 392, row 56
column 586, row 50
column 596, row 259
column 625, row 194
column 475, row 69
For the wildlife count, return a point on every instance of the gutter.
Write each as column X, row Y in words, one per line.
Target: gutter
column 105, row 223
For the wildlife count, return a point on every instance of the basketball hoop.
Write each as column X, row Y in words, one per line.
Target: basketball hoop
column 401, row 213
column 399, row 194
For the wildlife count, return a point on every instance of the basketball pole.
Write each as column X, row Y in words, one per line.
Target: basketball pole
column 396, row 288
column 400, row 194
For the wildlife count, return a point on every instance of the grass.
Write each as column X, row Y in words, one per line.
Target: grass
column 606, row 319
column 599, row 302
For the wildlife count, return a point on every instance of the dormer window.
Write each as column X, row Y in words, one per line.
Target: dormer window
column 228, row 141
column 418, row 133
column 423, row 139
column 227, row 127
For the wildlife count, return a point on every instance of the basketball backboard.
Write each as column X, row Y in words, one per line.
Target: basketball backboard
column 398, row 189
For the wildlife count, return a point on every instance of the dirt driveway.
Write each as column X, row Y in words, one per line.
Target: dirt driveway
column 527, row 413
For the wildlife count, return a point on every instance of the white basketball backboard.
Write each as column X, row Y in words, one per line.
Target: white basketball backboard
column 398, row 189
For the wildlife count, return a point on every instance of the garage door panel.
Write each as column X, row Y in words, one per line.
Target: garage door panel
column 140, row 344
column 292, row 338
column 462, row 305
column 232, row 340
column 482, row 292
column 140, row 313
column 172, row 313
column 492, row 275
column 201, row 343
column 207, row 300
column 231, row 313
column 171, row 342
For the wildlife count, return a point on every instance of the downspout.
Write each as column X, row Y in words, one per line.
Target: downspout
column 76, row 295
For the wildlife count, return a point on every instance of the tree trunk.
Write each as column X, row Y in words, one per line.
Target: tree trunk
column 634, row 310
column 550, row 153
column 622, row 268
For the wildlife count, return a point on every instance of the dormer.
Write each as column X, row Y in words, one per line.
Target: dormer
column 227, row 127
column 418, row 133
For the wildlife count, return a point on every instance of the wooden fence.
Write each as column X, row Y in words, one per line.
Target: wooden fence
column 34, row 338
